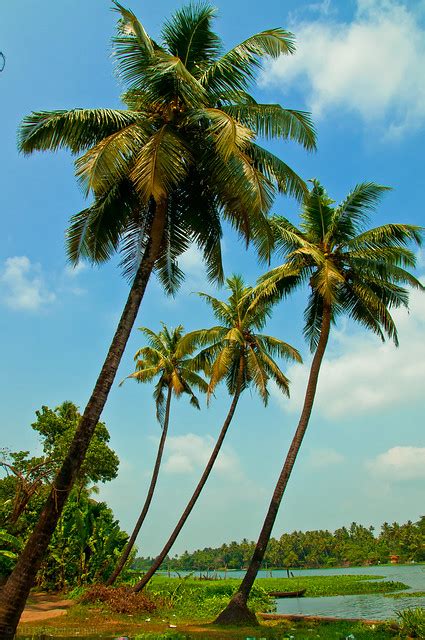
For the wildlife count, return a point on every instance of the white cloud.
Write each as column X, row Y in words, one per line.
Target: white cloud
column 191, row 260
column 22, row 285
column 190, row 453
column 73, row 271
column 362, row 375
column 372, row 66
column 323, row 458
column 399, row 463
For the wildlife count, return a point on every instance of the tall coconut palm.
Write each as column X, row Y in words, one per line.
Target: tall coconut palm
column 168, row 356
column 242, row 357
column 350, row 270
column 162, row 172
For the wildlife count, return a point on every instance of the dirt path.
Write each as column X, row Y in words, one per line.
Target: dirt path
column 42, row 606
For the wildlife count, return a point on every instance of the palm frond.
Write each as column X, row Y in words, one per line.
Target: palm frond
column 317, row 213
column 228, row 135
column 313, row 316
column 257, row 374
column 95, row 232
column 236, row 68
column 162, row 163
column 131, row 25
column 388, row 235
column 351, row 215
column 77, row 129
column 366, row 308
column 108, row 162
column 287, row 180
column 273, row 121
column 276, row 347
column 188, row 35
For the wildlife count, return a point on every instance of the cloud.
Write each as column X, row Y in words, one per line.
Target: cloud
column 361, row 375
column 372, row 66
column 190, row 453
column 22, row 285
column 323, row 458
column 399, row 463
column 72, row 271
column 191, row 261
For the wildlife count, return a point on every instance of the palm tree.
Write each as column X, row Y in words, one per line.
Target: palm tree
column 169, row 356
column 236, row 353
column 349, row 270
column 162, row 173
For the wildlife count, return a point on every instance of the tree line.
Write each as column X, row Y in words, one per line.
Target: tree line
column 355, row 545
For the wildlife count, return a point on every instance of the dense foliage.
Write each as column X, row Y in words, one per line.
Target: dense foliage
column 355, row 545
column 87, row 538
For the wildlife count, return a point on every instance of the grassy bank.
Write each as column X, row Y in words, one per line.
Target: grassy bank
column 189, row 605
column 283, row 631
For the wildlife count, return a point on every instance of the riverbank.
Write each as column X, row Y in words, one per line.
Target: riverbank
column 186, row 606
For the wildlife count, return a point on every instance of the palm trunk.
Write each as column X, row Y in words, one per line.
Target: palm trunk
column 132, row 540
column 160, row 559
column 237, row 611
column 15, row 592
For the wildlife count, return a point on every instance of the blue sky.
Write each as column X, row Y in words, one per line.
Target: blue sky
column 359, row 69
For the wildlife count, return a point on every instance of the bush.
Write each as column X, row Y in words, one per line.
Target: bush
column 120, row 599
column 412, row 622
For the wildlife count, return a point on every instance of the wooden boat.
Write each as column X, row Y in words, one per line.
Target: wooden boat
column 287, row 594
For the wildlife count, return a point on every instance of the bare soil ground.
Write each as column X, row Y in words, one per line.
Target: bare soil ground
column 42, row 606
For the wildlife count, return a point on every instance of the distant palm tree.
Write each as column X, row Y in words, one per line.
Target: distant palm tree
column 169, row 357
column 349, row 270
column 236, row 353
column 162, row 173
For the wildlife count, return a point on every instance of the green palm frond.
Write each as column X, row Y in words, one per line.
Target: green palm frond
column 236, row 68
column 351, row 215
column 313, row 316
column 108, row 162
column 162, row 163
column 166, row 81
column 188, row 35
column 145, row 374
column 349, row 269
column 274, row 372
column 277, row 171
column 94, row 234
column 276, row 347
column 77, row 130
column 367, row 309
column 228, row 135
column 394, row 256
column 396, row 235
column 273, row 121
column 235, row 349
column 168, row 356
column 131, row 25
column 317, row 213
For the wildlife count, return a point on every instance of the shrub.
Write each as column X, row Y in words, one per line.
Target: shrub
column 120, row 599
column 412, row 622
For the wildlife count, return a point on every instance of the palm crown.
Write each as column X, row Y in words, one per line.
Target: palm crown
column 351, row 269
column 236, row 352
column 168, row 356
column 186, row 142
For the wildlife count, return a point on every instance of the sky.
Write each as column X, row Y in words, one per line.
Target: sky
column 359, row 70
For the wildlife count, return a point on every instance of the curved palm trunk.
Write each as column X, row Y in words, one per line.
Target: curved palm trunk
column 160, row 559
column 132, row 540
column 237, row 611
column 15, row 592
